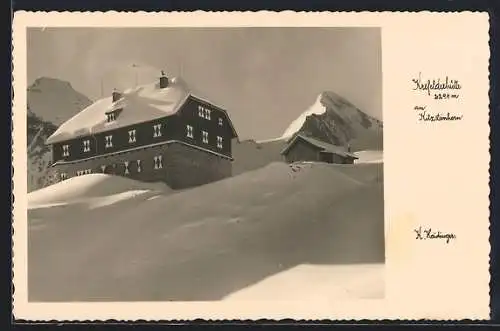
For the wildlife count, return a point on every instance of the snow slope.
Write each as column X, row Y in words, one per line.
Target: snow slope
column 208, row 242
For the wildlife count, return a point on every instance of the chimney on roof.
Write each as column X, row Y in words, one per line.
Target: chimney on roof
column 163, row 80
column 116, row 95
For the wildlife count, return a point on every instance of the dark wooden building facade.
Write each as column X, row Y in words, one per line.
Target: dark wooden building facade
column 185, row 148
column 303, row 148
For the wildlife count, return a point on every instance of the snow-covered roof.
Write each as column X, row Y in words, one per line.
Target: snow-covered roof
column 140, row 104
column 324, row 146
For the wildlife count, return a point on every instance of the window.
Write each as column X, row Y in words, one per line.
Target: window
column 126, row 168
column 111, row 117
column 138, row 165
column 157, row 130
column 205, row 137
column 189, row 131
column 63, row 176
column 158, row 164
column 84, row 172
column 131, row 136
column 204, row 112
column 109, row 141
column 86, row 146
column 65, row 150
column 219, row 142
column 220, row 121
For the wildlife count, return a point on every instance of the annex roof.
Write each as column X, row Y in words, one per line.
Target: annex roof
column 323, row 146
column 140, row 104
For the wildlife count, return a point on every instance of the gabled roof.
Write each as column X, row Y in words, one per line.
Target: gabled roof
column 143, row 103
column 324, row 147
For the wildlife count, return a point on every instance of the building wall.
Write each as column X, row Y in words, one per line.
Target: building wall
column 189, row 167
column 217, row 124
column 302, row 151
column 144, row 135
column 182, row 166
column 173, row 127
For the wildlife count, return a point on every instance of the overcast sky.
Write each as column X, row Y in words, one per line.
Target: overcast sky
column 264, row 77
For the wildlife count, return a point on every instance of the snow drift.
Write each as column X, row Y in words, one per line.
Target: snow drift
column 80, row 188
column 321, row 283
column 208, row 242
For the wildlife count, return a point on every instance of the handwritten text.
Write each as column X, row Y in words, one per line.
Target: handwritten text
column 424, row 234
column 435, row 84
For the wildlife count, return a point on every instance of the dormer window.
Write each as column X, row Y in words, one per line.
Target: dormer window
column 205, row 137
column 219, row 142
column 221, row 122
column 111, row 117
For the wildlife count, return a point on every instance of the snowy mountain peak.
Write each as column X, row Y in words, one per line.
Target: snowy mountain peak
column 329, row 98
column 47, row 81
column 55, row 100
column 318, row 107
column 335, row 120
column 51, row 102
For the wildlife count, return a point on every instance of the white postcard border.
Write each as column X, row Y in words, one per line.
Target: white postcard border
column 430, row 280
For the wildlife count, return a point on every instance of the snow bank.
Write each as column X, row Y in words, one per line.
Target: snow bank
column 296, row 125
column 369, row 157
column 90, row 186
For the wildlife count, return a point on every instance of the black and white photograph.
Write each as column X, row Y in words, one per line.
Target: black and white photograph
column 204, row 164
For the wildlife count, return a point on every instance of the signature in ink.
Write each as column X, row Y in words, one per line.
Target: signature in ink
column 428, row 233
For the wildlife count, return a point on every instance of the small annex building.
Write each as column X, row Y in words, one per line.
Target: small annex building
column 304, row 148
column 160, row 131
